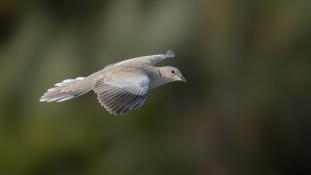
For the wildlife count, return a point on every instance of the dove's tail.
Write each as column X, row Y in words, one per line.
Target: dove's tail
column 66, row 90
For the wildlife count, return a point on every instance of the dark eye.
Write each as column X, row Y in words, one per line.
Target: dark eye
column 173, row 72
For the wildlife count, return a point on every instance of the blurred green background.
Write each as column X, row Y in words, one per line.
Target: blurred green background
column 246, row 108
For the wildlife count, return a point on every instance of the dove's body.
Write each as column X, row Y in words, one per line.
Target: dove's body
column 120, row 87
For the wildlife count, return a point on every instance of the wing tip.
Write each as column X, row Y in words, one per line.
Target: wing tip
column 170, row 53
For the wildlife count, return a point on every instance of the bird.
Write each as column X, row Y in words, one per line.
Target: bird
column 120, row 87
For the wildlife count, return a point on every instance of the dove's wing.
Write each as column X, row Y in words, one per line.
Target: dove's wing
column 154, row 59
column 122, row 92
column 150, row 60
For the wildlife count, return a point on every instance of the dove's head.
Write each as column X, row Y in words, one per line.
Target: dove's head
column 171, row 74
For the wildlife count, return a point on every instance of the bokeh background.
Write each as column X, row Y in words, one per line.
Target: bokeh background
column 246, row 108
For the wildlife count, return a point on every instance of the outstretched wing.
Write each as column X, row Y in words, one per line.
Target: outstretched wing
column 119, row 94
column 150, row 60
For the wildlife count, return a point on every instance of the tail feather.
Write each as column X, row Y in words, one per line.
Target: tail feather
column 66, row 90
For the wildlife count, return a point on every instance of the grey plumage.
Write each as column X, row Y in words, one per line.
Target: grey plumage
column 120, row 87
column 64, row 91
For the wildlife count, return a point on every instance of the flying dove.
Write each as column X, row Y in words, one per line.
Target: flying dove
column 120, row 87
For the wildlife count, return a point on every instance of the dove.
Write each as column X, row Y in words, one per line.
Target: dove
column 120, row 87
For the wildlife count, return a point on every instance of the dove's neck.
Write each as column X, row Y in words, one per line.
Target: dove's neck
column 157, row 78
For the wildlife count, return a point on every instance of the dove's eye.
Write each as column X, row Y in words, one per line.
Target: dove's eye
column 173, row 72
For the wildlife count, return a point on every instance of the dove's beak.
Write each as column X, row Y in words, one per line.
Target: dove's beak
column 182, row 78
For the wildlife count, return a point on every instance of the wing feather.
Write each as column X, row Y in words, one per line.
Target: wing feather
column 121, row 94
column 151, row 59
